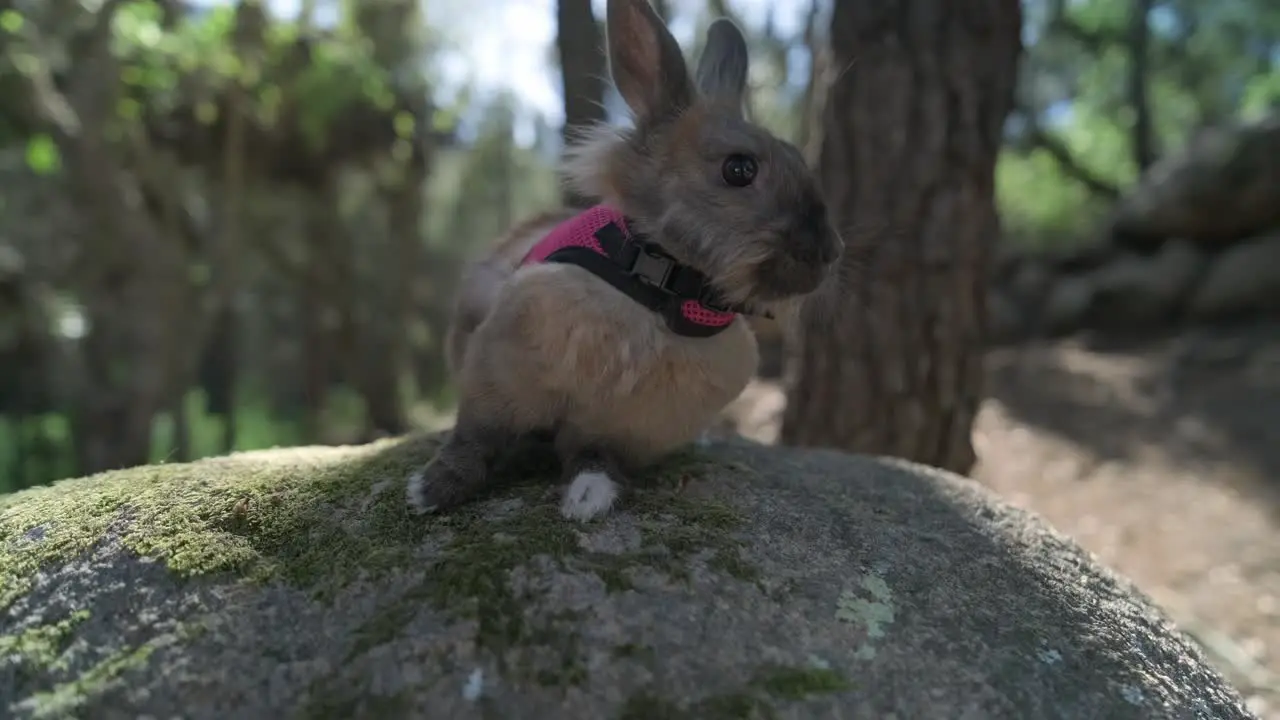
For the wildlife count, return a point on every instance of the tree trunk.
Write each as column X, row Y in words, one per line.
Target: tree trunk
column 217, row 373
column 582, row 70
column 384, row 371
column 811, row 101
column 1144, row 151
column 181, row 430
column 891, row 363
column 231, row 417
column 316, row 352
column 325, row 295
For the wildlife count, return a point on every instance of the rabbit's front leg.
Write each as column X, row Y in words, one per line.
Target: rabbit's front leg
column 501, row 401
column 461, row 469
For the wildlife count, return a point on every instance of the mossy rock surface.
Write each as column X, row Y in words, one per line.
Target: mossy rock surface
column 744, row 582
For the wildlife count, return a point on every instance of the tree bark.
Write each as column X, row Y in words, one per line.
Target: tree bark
column 317, row 351
column 384, row 399
column 811, row 101
column 1144, row 151
column 890, row 362
column 582, row 70
column 131, row 277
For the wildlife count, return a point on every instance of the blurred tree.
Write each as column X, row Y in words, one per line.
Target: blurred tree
column 891, row 363
column 1144, row 151
column 132, row 277
column 582, row 70
column 166, row 136
column 1108, row 85
column 377, row 336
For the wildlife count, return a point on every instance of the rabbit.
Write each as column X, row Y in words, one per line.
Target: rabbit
column 573, row 326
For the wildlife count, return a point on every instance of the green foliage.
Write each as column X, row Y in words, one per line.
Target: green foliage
column 1208, row 63
column 1261, row 95
column 257, row 427
column 340, row 74
column 1041, row 208
column 198, row 60
column 1101, row 144
column 11, row 22
column 42, row 155
column 487, row 185
column 294, row 81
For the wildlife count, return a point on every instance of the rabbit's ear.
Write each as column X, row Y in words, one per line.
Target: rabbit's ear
column 722, row 70
column 645, row 60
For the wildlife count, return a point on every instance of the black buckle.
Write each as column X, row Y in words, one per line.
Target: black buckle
column 651, row 267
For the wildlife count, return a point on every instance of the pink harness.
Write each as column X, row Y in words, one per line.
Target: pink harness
column 583, row 231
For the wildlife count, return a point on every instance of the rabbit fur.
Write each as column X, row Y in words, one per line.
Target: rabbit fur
column 553, row 348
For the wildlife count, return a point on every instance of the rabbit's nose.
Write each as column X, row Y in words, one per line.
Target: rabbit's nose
column 811, row 239
column 831, row 246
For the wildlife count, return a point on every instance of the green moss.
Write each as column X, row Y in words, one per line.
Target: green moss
column 734, row 706
column 68, row 696
column 42, row 647
column 635, row 651
column 645, row 705
column 753, row 702
column 271, row 515
column 388, row 623
column 615, row 577
column 472, row 577
column 310, row 517
column 335, row 701
column 267, row 515
column 795, row 683
column 728, row 559
column 685, row 526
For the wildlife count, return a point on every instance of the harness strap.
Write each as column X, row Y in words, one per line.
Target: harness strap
column 653, row 278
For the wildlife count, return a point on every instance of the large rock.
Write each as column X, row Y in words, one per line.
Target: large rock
column 1134, row 290
column 1006, row 319
column 1068, row 304
column 748, row 582
column 1224, row 186
column 1244, row 279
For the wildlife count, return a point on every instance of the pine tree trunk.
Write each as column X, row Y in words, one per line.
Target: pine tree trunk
column 912, row 125
column 582, row 70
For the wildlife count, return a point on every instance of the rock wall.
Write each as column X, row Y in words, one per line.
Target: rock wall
column 1181, row 282
column 1197, row 239
column 1113, row 290
column 1222, row 187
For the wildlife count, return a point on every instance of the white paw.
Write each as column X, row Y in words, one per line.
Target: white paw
column 416, row 493
column 704, row 440
column 590, row 495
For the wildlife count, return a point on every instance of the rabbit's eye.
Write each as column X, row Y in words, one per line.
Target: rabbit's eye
column 739, row 170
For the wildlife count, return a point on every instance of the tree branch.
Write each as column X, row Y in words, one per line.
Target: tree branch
column 1039, row 138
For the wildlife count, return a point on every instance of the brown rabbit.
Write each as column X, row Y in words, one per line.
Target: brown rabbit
column 619, row 329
